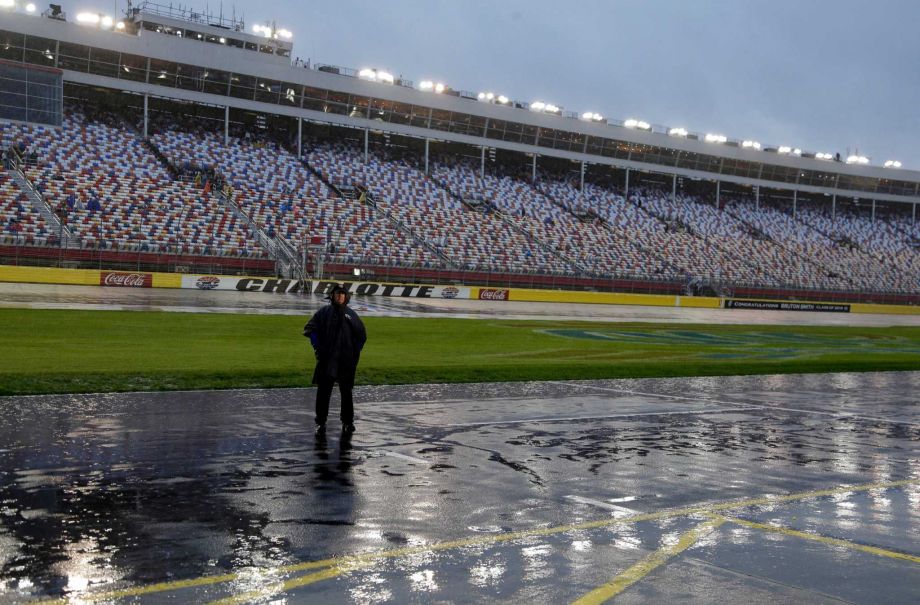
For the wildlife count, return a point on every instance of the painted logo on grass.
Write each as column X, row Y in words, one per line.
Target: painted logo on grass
column 746, row 345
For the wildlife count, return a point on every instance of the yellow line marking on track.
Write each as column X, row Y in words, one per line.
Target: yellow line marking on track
column 824, row 539
column 648, row 564
column 345, row 562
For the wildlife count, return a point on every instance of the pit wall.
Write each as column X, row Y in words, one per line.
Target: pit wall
column 123, row 279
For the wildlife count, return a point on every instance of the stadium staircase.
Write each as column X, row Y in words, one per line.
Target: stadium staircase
column 491, row 208
column 805, row 261
column 366, row 196
column 66, row 236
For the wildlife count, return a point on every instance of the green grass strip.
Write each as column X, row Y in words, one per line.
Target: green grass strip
column 60, row 351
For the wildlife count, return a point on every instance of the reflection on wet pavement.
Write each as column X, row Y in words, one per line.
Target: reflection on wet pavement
column 541, row 492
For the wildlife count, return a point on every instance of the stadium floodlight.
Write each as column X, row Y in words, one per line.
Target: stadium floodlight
column 892, row 164
column 107, row 22
column 634, row 123
column 424, row 85
column 750, row 145
column 121, row 25
column 30, row 8
column 222, row 40
column 823, row 156
column 439, row 88
column 784, row 149
column 796, row 151
column 715, row 138
column 678, row 132
column 88, row 18
column 537, row 106
column 591, row 116
column 503, row 99
column 368, row 74
column 550, row 108
column 383, row 76
column 7, row 4
column 287, row 35
column 857, row 159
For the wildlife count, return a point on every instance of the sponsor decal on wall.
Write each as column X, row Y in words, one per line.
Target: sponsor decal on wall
column 290, row 286
column 494, row 294
column 767, row 305
column 126, row 280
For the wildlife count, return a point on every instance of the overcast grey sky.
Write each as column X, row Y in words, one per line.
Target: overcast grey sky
column 827, row 75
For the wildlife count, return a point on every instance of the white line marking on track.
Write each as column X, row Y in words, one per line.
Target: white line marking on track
column 619, row 511
column 740, row 405
column 405, row 457
column 605, row 417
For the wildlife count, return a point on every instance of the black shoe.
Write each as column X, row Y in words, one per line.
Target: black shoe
column 320, row 429
column 348, row 428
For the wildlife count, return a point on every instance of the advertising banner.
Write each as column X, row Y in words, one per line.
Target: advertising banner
column 768, row 305
column 121, row 279
column 282, row 286
column 494, row 294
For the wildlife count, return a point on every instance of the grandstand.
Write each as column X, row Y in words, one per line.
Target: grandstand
column 165, row 157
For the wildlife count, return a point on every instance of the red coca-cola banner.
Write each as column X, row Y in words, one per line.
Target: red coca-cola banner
column 493, row 294
column 126, row 280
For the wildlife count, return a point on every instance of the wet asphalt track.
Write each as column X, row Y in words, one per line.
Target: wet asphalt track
column 772, row 489
column 516, row 493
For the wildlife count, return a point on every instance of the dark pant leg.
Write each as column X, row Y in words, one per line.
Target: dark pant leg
column 323, row 393
column 346, row 384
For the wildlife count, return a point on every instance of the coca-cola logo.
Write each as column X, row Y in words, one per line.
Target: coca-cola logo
column 450, row 292
column 493, row 294
column 207, row 282
column 126, row 280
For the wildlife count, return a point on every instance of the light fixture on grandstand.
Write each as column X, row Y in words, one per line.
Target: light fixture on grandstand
column 376, row 75
column 491, row 97
column 541, row 107
column 824, row 156
column 786, row 150
column 750, row 145
column 892, row 164
column 678, row 132
column 715, row 138
column 12, row 5
column 432, row 86
column 97, row 19
column 272, row 31
column 591, row 116
column 637, row 124
column 858, row 159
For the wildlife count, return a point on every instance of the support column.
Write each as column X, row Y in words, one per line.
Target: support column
column 873, row 211
column 718, row 194
column 427, row 140
column 626, row 188
column 482, row 163
column 533, row 176
column 146, row 114
column 582, row 178
column 795, row 202
column 834, row 207
column 673, row 187
column 913, row 215
column 226, row 125
column 299, row 138
column 367, row 135
column 757, row 196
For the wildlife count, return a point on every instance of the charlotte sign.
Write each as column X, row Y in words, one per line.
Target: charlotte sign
column 285, row 286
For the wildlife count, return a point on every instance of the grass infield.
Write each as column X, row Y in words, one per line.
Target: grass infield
column 52, row 351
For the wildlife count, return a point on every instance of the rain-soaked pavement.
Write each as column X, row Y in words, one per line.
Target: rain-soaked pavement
column 770, row 489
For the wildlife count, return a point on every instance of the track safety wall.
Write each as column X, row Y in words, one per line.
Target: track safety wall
column 128, row 279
